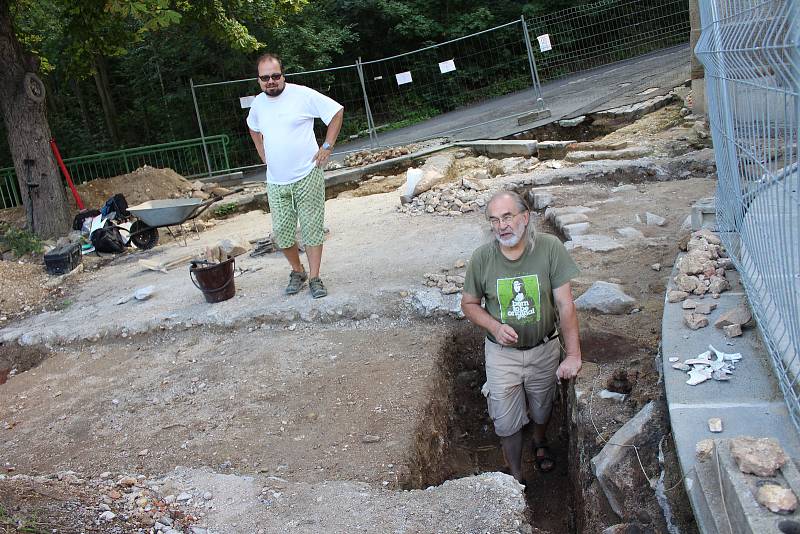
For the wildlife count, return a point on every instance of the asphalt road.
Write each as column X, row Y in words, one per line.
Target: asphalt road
column 617, row 84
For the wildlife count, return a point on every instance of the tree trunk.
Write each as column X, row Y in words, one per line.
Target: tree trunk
column 23, row 108
column 76, row 89
column 104, row 90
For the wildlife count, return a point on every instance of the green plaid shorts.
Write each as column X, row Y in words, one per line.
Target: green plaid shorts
column 302, row 201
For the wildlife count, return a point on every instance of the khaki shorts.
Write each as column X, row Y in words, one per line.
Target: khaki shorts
column 515, row 376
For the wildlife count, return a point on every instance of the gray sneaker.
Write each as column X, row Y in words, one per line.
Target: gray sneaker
column 317, row 288
column 296, row 282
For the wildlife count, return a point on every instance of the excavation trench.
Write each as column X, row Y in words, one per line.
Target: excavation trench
column 456, row 438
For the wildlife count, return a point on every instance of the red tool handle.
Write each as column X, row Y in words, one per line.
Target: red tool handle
column 64, row 170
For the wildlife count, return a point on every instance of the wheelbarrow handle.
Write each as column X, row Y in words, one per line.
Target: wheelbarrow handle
column 203, row 206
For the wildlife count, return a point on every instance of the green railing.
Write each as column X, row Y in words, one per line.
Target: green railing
column 9, row 189
column 187, row 158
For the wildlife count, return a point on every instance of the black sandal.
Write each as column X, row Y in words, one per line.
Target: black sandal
column 544, row 461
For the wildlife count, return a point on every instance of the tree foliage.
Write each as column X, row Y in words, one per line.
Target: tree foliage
column 153, row 47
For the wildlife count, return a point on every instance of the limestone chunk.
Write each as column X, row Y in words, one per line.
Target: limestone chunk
column 759, row 456
column 777, row 499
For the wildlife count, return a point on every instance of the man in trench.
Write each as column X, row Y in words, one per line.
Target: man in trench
column 524, row 279
column 281, row 122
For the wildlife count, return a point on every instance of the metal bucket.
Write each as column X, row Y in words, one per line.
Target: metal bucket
column 214, row 280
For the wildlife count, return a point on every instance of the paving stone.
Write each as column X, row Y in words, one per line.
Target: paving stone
column 569, row 218
column 572, row 230
column 594, row 242
column 630, row 232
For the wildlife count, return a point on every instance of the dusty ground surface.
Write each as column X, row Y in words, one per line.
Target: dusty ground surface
column 339, row 389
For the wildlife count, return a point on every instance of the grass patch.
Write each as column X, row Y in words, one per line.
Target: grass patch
column 19, row 240
column 9, row 524
column 224, row 210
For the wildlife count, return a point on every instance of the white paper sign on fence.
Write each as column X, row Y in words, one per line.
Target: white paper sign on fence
column 544, row 42
column 447, row 66
column 246, row 101
column 403, row 77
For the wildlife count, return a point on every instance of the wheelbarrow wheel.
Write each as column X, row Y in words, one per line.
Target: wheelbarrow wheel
column 143, row 236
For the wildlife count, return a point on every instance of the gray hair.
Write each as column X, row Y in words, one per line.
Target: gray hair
column 521, row 206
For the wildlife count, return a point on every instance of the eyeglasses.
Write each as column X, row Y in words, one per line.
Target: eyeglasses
column 275, row 77
column 505, row 219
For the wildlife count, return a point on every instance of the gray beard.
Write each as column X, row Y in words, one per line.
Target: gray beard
column 510, row 242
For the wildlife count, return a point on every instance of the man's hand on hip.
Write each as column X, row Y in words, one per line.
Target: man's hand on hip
column 569, row 368
column 505, row 335
column 321, row 157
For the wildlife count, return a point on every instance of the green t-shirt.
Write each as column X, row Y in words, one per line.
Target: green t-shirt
column 519, row 293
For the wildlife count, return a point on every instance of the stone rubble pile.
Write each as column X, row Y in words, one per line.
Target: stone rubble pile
column 700, row 271
column 133, row 502
column 450, row 199
column 365, row 157
column 450, row 281
column 705, row 367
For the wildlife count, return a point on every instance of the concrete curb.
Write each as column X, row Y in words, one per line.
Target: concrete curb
column 751, row 403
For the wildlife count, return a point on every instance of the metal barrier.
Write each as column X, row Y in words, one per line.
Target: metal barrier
column 591, row 35
column 751, row 54
column 189, row 158
column 389, row 93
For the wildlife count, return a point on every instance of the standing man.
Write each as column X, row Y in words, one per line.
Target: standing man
column 281, row 123
column 524, row 279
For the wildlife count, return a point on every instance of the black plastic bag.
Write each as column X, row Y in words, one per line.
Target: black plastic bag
column 108, row 239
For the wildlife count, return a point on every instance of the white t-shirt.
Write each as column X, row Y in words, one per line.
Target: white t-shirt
column 287, row 123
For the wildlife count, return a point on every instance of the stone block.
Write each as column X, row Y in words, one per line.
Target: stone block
column 704, row 214
column 609, row 464
column 594, row 242
column 630, row 232
column 575, row 229
column 542, row 200
column 605, row 297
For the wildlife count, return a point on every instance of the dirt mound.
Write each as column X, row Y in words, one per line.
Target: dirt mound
column 141, row 185
column 22, row 289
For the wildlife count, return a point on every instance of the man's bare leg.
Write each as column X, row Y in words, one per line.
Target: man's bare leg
column 512, row 450
column 314, row 255
column 293, row 255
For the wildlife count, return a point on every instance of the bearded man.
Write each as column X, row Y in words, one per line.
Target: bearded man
column 281, row 123
column 524, row 280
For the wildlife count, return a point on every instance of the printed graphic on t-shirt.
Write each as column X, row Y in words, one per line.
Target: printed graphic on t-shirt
column 519, row 299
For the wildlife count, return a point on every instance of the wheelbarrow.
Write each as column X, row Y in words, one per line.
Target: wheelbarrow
column 155, row 214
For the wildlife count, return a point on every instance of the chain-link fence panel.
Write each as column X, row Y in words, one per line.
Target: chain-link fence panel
column 418, row 85
column 751, row 54
column 592, row 35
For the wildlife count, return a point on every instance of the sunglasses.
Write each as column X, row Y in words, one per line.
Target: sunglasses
column 275, row 77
